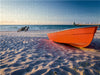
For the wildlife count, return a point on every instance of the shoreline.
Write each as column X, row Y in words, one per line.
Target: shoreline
column 36, row 32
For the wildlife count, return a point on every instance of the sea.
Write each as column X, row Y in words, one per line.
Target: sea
column 39, row 27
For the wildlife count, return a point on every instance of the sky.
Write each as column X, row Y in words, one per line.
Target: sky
column 43, row 12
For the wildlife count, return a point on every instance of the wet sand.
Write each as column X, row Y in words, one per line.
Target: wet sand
column 31, row 53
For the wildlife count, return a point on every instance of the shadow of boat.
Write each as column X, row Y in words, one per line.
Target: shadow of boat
column 95, row 44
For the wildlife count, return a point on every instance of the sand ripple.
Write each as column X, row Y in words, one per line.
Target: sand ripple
column 39, row 56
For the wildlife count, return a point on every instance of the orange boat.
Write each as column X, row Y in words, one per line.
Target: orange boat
column 78, row 37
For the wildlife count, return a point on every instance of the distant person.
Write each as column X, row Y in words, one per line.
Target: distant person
column 22, row 29
column 26, row 29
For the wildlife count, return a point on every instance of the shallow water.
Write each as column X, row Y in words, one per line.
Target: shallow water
column 39, row 27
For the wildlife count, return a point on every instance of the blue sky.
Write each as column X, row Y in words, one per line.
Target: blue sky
column 49, row 11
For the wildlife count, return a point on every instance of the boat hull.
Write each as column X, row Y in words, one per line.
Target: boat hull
column 78, row 37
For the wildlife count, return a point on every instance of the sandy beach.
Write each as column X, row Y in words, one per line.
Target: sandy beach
column 32, row 53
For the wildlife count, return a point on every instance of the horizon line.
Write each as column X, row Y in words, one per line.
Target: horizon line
column 49, row 24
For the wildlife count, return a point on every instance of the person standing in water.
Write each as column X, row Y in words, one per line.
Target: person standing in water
column 23, row 29
column 26, row 29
